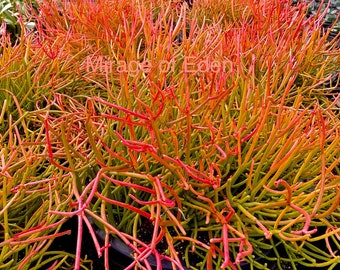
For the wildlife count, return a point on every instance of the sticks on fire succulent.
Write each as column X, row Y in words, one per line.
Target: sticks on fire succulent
column 224, row 143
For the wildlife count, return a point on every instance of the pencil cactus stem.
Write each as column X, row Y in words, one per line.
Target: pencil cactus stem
column 79, row 241
column 225, row 247
column 321, row 185
column 266, row 232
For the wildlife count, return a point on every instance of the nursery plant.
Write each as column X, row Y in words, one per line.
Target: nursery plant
column 14, row 15
column 332, row 7
column 202, row 137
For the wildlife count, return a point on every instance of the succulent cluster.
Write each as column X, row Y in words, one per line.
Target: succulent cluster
column 200, row 137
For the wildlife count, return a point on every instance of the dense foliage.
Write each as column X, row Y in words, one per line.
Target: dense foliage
column 201, row 138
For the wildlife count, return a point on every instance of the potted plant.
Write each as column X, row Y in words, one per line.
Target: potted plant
column 197, row 138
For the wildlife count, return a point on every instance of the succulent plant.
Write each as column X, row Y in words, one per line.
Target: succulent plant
column 201, row 154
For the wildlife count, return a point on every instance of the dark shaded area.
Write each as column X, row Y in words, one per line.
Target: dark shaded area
column 67, row 243
column 120, row 257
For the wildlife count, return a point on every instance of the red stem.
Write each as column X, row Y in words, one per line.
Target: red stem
column 125, row 205
column 120, row 108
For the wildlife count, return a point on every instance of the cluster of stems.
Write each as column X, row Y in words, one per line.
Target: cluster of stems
column 235, row 158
